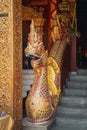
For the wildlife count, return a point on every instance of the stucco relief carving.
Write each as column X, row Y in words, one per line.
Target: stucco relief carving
column 4, row 6
column 17, row 38
column 11, row 59
column 5, row 62
column 4, row 24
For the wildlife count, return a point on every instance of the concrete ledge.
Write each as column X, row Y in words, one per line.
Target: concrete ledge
column 31, row 126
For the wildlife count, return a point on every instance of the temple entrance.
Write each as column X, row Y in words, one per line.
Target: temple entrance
column 82, row 52
column 82, row 28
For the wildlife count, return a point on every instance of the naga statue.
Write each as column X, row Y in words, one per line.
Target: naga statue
column 43, row 98
column 42, row 101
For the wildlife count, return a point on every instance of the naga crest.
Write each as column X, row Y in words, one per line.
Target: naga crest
column 35, row 48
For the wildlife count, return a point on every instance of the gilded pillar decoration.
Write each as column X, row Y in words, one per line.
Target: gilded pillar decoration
column 17, row 39
column 11, row 59
column 6, row 50
column 17, row 63
column 5, row 65
column 4, row 6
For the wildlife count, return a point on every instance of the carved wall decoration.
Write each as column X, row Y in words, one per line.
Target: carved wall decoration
column 4, row 6
column 17, row 59
column 11, row 59
column 5, row 65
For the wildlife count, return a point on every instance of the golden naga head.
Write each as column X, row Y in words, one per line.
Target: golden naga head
column 35, row 48
column 34, row 43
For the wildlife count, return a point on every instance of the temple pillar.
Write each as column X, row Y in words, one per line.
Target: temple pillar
column 73, row 54
column 11, row 60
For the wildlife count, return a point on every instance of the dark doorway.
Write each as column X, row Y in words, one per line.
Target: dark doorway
column 25, row 30
column 82, row 28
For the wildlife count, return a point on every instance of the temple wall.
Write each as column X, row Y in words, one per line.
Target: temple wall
column 11, row 59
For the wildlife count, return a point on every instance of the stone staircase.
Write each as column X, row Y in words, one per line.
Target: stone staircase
column 72, row 109
column 28, row 77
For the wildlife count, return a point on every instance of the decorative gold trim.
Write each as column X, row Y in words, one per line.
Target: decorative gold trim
column 17, row 63
column 11, row 59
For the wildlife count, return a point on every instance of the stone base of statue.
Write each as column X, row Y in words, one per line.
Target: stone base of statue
column 39, row 126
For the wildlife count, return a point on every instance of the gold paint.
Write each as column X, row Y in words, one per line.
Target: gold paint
column 11, row 59
column 4, row 6
column 5, row 61
column 52, row 70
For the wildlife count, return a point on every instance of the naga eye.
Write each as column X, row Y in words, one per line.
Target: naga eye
column 32, row 103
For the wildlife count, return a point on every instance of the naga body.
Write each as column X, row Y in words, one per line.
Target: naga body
column 42, row 101
column 43, row 97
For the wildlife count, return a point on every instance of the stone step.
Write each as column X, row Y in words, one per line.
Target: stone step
column 74, row 101
column 76, row 84
column 82, row 71
column 26, row 88
column 27, row 82
column 28, row 71
column 28, row 79
column 71, row 112
column 28, row 76
column 70, row 127
column 60, row 121
column 75, row 92
column 72, row 108
column 78, row 78
column 24, row 94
